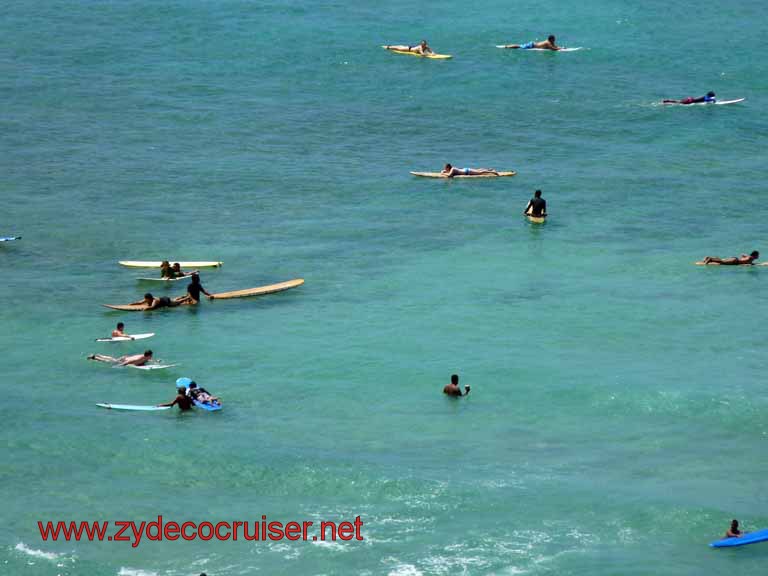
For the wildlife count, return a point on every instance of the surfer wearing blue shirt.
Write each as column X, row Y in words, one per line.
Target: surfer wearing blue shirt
column 451, row 171
column 537, row 206
column 453, row 388
column 548, row 44
column 734, row 532
column 710, row 97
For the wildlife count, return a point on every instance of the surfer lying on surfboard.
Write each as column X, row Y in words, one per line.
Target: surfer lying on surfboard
column 135, row 359
column 743, row 260
column 153, row 303
column 451, row 171
column 548, row 44
column 421, row 48
column 710, row 97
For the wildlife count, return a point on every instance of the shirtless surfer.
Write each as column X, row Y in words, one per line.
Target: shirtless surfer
column 183, row 401
column 421, row 48
column 453, row 389
column 710, row 97
column 548, row 44
column 153, row 303
column 734, row 531
column 451, row 171
column 743, row 260
column 135, row 359
column 119, row 332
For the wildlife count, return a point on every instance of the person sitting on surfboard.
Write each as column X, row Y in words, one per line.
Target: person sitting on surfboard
column 153, row 303
column 201, row 394
column 452, row 171
column 183, row 401
column 453, row 389
column 118, row 332
column 548, row 44
column 421, row 48
column 710, row 97
column 193, row 292
column 537, row 206
column 179, row 273
column 743, row 260
column 734, row 532
column 165, row 270
column 135, row 360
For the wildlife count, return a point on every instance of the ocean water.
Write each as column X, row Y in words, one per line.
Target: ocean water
column 617, row 417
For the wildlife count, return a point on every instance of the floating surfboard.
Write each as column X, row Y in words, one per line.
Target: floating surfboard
column 158, row 263
column 748, row 538
column 163, row 279
column 439, row 175
column 126, row 338
column 536, row 219
column 9, row 238
column 132, row 407
column 205, row 406
column 152, row 366
column 715, row 103
column 574, row 49
column 259, row 291
column 431, row 56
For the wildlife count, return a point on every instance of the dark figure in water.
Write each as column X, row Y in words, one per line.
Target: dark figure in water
column 453, row 389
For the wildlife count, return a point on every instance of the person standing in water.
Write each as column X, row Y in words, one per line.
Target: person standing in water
column 453, row 388
column 193, row 292
column 183, row 401
column 537, row 206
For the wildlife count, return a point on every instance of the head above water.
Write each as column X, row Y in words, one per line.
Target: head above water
column 164, row 264
column 120, row 325
column 734, row 524
column 455, row 379
column 195, row 278
column 423, row 44
column 192, row 385
column 551, row 38
column 537, row 194
column 148, row 296
column 755, row 254
column 148, row 353
column 711, row 94
column 447, row 167
column 176, row 266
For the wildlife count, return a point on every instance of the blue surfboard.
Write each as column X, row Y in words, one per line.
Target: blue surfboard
column 748, row 538
column 209, row 407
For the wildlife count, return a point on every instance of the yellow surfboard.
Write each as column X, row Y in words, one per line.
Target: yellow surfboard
column 431, row 56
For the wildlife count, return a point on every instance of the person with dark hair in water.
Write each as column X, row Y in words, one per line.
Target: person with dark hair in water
column 710, row 97
column 548, row 44
column 537, row 206
column 183, row 401
column 734, row 531
column 135, row 359
column 193, row 292
column 453, row 389
column 743, row 260
column 153, row 303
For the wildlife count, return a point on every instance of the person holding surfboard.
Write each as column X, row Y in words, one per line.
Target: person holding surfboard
column 421, row 48
column 135, row 359
column 451, row 171
column 734, row 531
column 453, row 388
column 183, row 401
column 710, row 97
column 548, row 44
column 743, row 260
column 537, row 206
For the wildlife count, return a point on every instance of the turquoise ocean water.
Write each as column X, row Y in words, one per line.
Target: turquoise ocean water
column 617, row 419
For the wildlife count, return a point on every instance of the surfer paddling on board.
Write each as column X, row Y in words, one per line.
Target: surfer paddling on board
column 135, row 359
column 453, row 389
column 537, row 206
column 201, row 394
column 548, row 44
column 452, row 171
column 734, row 531
column 743, row 260
column 153, row 303
column 193, row 292
column 421, row 48
column 183, row 401
column 710, row 97
column 119, row 332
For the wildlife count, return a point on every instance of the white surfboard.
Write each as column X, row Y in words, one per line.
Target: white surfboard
column 126, row 338
column 132, row 407
column 158, row 263
column 152, row 366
